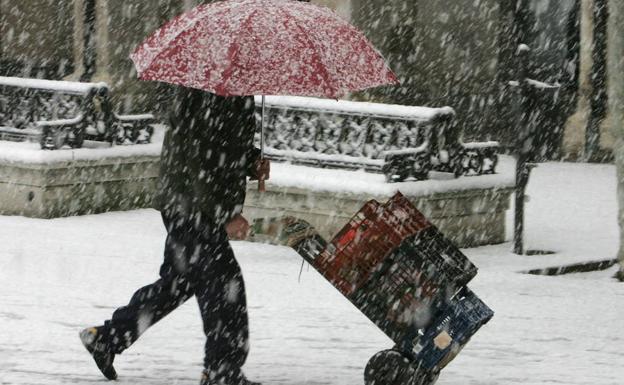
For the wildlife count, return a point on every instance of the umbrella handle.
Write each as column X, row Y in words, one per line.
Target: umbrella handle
column 261, row 187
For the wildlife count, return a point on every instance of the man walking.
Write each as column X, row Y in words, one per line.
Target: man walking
column 207, row 155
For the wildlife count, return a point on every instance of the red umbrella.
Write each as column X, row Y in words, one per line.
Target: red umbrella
column 262, row 47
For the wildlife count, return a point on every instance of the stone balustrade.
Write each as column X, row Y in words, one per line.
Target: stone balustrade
column 400, row 141
column 56, row 113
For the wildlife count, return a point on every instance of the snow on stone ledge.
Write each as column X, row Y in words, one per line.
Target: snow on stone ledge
column 288, row 176
column 51, row 85
column 31, row 153
column 349, row 107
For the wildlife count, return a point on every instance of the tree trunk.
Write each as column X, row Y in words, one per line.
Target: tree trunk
column 615, row 63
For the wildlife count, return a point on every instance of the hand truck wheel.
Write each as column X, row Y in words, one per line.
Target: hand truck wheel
column 389, row 367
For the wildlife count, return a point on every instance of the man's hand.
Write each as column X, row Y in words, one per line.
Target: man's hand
column 262, row 170
column 237, row 228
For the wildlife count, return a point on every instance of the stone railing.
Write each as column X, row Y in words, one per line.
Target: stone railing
column 400, row 141
column 49, row 184
column 57, row 113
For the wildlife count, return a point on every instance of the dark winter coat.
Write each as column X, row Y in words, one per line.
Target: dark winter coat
column 207, row 154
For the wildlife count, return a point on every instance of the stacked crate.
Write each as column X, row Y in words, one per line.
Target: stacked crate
column 405, row 276
column 369, row 237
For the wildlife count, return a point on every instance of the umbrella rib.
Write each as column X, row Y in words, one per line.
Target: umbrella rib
column 324, row 73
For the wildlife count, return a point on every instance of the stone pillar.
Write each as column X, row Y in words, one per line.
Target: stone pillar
column 607, row 140
column 574, row 134
column 78, row 46
column 103, row 45
column 615, row 61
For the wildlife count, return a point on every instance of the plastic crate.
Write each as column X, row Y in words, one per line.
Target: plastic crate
column 451, row 330
column 373, row 233
column 405, row 293
column 441, row 259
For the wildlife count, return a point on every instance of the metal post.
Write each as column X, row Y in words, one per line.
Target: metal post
column 522, row 171
column 262, row 130
column 261, row 186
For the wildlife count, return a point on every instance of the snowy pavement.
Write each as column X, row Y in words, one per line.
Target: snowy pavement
column 57, row 276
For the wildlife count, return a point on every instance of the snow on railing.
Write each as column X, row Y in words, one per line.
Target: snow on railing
column 302, row 127
column 64, row 112
column 60, row 122
column 400, row 141
column 51, row 85
column 356, row 108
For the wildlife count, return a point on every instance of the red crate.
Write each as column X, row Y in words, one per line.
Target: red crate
column 367, row 240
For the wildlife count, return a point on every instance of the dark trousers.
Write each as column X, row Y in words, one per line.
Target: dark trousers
column 198, row 261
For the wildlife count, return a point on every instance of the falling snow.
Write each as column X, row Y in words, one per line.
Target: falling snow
column 536, row 80
column 62, row 274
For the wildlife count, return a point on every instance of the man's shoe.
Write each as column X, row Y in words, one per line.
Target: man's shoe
column 239, row 380
column 94, row 340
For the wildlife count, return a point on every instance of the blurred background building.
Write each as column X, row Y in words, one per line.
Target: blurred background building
column 446, row 52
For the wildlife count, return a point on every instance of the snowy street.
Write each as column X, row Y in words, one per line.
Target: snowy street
column 58, row 276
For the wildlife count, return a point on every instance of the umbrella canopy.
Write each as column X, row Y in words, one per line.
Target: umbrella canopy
column 262, row 47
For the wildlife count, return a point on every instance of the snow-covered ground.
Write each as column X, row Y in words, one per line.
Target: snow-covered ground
column 57, row 276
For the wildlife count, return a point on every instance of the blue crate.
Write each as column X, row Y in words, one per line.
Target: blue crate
column 461, row 319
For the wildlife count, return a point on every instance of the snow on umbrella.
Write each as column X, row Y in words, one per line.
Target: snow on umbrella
column 262, row 47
